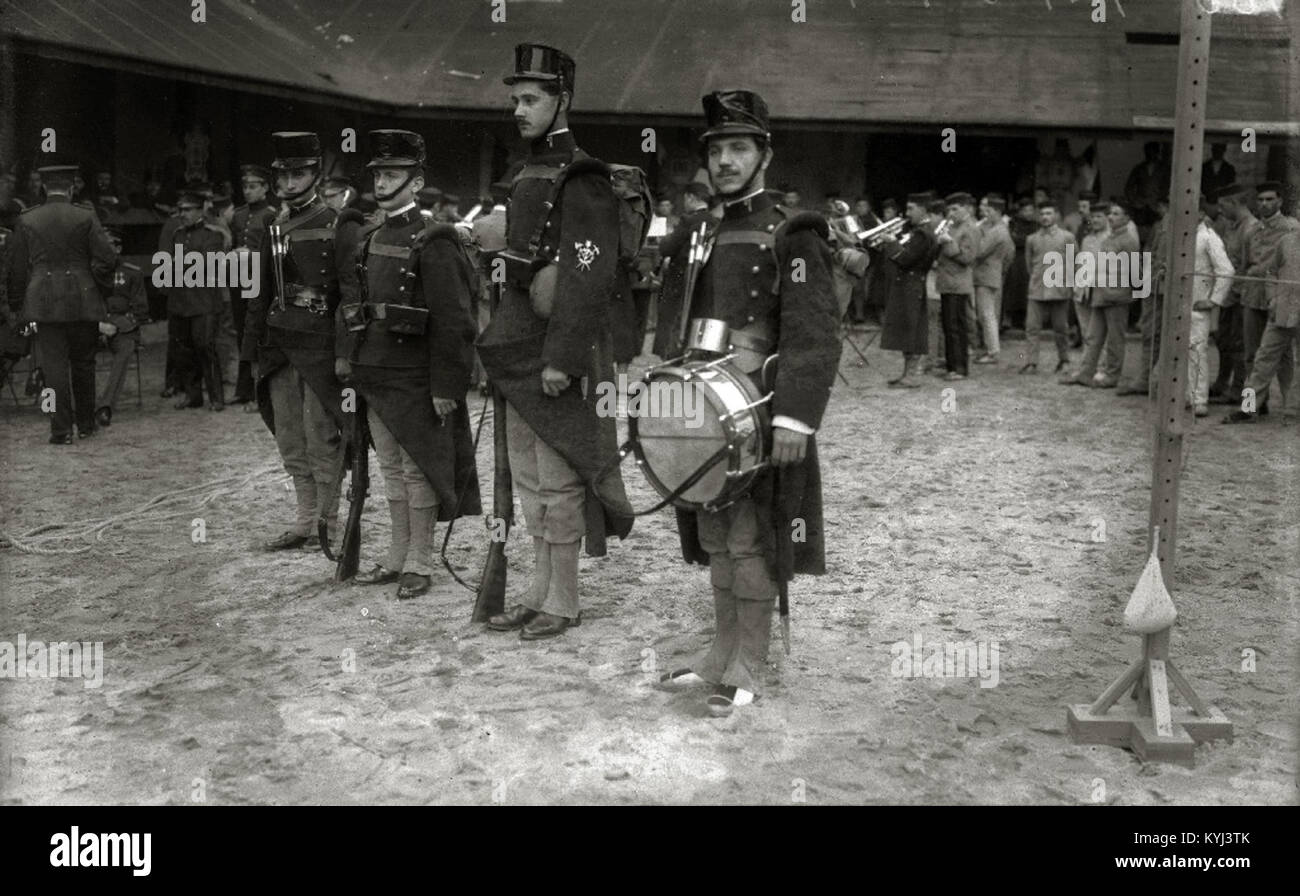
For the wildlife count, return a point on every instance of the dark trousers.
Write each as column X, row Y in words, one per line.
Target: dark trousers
column 1232, row 351
column 123, row 346
column 194, row 351
column 171, row 379
column 244, row 379
column 952, row 318
column 67, row 353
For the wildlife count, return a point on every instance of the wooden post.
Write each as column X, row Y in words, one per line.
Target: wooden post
column 1151, row 728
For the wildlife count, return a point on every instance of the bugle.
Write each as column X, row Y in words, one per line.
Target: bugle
column 872, row 236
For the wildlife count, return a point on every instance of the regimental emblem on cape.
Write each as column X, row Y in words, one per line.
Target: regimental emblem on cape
column 587, row 252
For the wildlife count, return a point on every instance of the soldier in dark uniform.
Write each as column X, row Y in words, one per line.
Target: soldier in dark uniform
column 194, row 313
column 58, row 254
column 408, row 347
column 550, row 333
column 167, row 243
column 246, row 229
column 289, row 331
column 448, row 210
column 769, row 277
column 429, row 200
column 906, row 261
column 128, row 307
column 339, row 193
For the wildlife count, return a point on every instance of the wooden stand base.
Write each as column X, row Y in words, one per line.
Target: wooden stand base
column 1125, row 727
column 1152, row 728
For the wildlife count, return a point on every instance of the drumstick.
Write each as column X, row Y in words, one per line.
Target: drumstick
column 692, row 255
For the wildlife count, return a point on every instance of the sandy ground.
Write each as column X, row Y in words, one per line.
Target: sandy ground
column 233, row 676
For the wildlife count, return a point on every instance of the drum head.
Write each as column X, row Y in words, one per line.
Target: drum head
column 679, row 430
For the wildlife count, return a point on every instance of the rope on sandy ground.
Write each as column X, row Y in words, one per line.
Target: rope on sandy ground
column 46, row 539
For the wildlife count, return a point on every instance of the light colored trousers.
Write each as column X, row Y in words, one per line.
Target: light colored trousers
column 1198, row 359
column 122, row 345
column 744, row 594
column 412, row 503
column 1055, row 310
column 1105, row 341
column 554, row 498
column 988, row 308
column 1275, row 357
column 310, row 445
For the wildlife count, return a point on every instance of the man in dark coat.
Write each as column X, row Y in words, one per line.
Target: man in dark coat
column 289, row 332
column 906, row 260
column 194, row 312
column 768, row 276
column 408, row 347
column 549, row 345
column 1015, row 288
column 246, row 229
column 59, row 256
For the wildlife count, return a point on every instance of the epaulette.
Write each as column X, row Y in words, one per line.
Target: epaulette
column 804, row 221
column 349, row 215
column 434, row 231
column 586, row 165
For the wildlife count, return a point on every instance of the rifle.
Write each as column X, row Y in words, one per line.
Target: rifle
column 491, row 596
column 349, row 556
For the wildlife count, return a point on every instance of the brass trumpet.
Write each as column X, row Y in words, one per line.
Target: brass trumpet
column 872, row 237
column 944, row 226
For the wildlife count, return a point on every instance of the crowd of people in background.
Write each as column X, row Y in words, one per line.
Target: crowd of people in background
column 205, row 324
column 946, row 282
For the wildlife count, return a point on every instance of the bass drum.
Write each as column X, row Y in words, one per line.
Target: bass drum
column 684, row 415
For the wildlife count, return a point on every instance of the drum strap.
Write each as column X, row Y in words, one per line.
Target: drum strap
column 634, row 447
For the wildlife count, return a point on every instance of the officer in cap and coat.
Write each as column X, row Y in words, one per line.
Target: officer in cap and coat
column 59, row 256
column 407, row 344
column 307, row 258
column 768, row 275
column 549, row 345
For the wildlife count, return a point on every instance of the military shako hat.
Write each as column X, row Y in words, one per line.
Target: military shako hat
column 735, row 112
column 395, row 149
column 191, row 198
column 538, row 62
column 257, row 172
column 295, row 149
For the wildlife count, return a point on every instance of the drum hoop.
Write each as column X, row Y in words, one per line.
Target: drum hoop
column 738, row 481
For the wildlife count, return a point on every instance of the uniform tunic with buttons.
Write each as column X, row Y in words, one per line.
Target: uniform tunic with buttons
column 582, row 242
column 771, row 272
column 407, row 262
column 58, row 255
column 193, row 301
column 320, row 262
